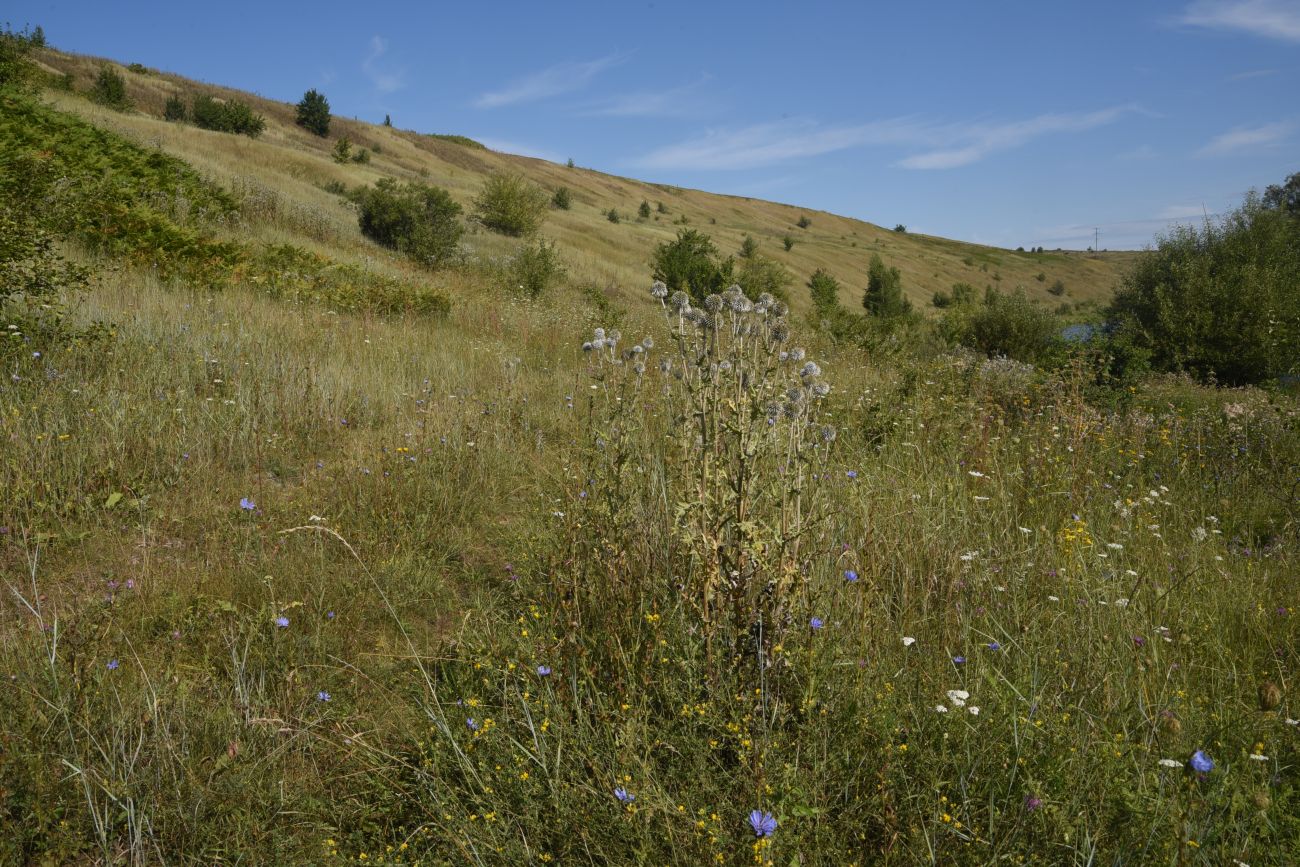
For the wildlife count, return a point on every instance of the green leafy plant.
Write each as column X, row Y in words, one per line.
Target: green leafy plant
column 110, row 89
column 535, row 267
column 313, row 113
column 418, row 220
column 561, row 200
column 511, row 204
column 231, row 115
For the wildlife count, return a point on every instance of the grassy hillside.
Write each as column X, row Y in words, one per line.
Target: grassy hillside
column 310, row 556
column 294, row 164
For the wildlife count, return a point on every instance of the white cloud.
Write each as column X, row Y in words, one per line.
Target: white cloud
column 1275, row 19
column 683, row 101
column 984, row 139
column 552, row 81
column 1141, row 152
column 518, row 148
column 1246, row 139
column 384, row 82
column 942, row 146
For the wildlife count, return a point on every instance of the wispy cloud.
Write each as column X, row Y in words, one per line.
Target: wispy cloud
column 1274, row 19
column 1246, row 139
column 384, row 82
column 1120, row 234
column 984, row 139
column 683, row 101
column 1141, row 152
column 1252, row 73
column 1181, row 212
column 543, row 84
column 518, row 148
column 941, row 145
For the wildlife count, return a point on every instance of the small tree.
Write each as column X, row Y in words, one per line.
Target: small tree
column 38, row 37
column 342, row 150
column 175, row 109
column 569, row 162
column 661, row 207
column 824, row 290
column 644, row 211
column 415, row 219
column 884, row 295
column 561, row 200
column 612, row 216
column 748, row 247
column 788, row 243
column 110, row 89
column 511, row 204
column 690, row 264
column 388, row 120
column 231, row 116
column 804, row 222
column 759, row 274
column 1057, row 288
column 314, row 113
column 535, row 267
column 900, row 229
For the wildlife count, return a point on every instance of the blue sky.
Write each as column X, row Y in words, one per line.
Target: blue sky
column 1008, row 123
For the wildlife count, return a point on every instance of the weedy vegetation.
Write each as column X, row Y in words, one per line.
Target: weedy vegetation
column 348, row 536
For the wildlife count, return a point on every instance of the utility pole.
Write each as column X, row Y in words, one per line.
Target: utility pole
column 1096, row 239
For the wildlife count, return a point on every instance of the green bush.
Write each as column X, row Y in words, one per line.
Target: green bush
column 644, row 211
column 110, row 89
column 361, row 157
column 901, row 229
column 418, row 220
column 1057, row 288
column 824, row 290
column 661, row 207
column 15, row 67
column 232, row 116
column 1219, row 301
column 748, row 247
column 884, row 297
column 561, row 200
column 690, row 264
column 137, row 68
column 612, row 216
column 314, row 113
column 175, row 109
column 1005, row 325
column 35, row 280
column 511, row 204
column 759, row 275
column 342, row 150
column 788, row 243
column 536, row 267
column 804, row 222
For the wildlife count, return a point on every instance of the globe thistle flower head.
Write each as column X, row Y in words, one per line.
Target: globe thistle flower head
column 680, row 301
column 828, row 435
column 713, row 303
column 587, row 346
column 797, row 354
column 778, row 309
column 810, row 370
column 766, row 300
column 638, row 368
column 648, row 342
column 658, row 289
column 599, row 333
column 780, row 334
column 820, row 390
column 725, row 366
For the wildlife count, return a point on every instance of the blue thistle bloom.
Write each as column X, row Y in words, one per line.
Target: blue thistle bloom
column 764, row 824
column 247, row 505
column 852, row 474
column 1201, row 763
column 322, row 696
column 850, row 575
column 624, row 796
column 816, row 623
column 993, row 645
column 282, row 622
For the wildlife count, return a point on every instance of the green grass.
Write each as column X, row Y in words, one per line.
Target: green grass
column 442, row 504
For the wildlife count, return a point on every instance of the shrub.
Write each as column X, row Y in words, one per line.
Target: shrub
column 561, row 200
column 175, row 109
column 569, row 162
column 901, row 229
column 342, row 150
column 535, row 267
column 759, row 276
column 1057, row 288
column 1040, row 277
column 804, row 222
column 941, row 299
column 824, row 290
column 788, row 243
column 612, row 215
column 643, row 212
column 388, row 120
column 137, row 68
column 34, row 278
column 362, row 156
column 110, row 89
column 231, row 116
column 884, row 297
column 314, row 113
column 15, row 68
column 1218, row 301
column 748, row 247
column 661, row 207
column 1008, row 325
column 511, row 204
column 690, row 264
column 418, row 220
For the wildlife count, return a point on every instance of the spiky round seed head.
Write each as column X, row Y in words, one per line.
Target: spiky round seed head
column 680, row 300
column 648, row 342
column 820, row 390
column 1270, row 696
column 713, row 303
column 587, row 347
column 780, row 334
column 797, row 354
column 638, row 368
column 810, row 370
column 828, row 433
column 725, row 366
column 658, row 289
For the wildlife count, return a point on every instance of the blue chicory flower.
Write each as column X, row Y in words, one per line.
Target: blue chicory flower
column 764, row 824
column 1201, row 763
column 624, row 796
column 850, row 575
column 543, row 670
column 282, row 622
column 247, row 505
column 816, row 623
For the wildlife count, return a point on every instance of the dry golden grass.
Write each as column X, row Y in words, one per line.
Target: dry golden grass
column 294, row 164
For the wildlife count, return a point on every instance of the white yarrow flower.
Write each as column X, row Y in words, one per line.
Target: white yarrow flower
column 958, row 697
column 908, row 641
column 1169, row 763
column 940, row 709
column 973, row 710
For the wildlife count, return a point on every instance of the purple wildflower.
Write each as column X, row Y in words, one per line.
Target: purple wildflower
column 247, row 505
column 322, row 696
column 1201, row 763
column 112, row 665
column 816, row 623
column 850, row 575
column 543, row 671
column 624, row 796
column 282, row 622
column 764, row 824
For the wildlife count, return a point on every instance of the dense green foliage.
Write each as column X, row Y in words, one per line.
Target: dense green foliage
column 690, row 264
column 824, row 290
column 561, row 200
column 110, row 89
column 225, row 115
column 536, row 267
column 511, row 204
column 1005, row 325
column 1222, row 300
column 15, row 47
column 418, row 220
column 314, row 113
column 884, row 296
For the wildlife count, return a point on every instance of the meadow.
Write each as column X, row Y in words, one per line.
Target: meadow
column 300, row 570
